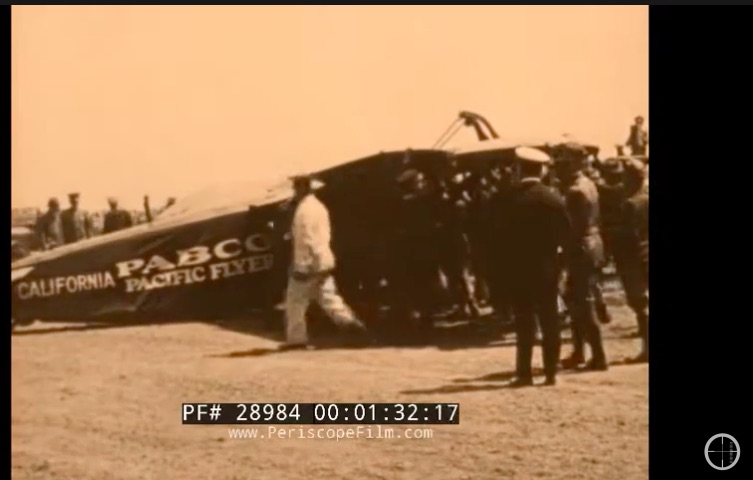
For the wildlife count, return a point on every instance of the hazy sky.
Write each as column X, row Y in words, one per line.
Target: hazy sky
column 164, row 100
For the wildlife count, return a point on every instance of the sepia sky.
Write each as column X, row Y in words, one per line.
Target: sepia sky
column 165, row 100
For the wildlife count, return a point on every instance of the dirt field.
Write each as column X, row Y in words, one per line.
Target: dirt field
column 105, row 404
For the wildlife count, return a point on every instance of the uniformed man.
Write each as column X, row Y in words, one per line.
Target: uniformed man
column 638, row 139
column 482, row 193
column 633, row 256
column 313, row 264
column 585, row 259
column 415, row 276
column 50, row 226
column 454, row 245
column 116, row 219
column 500, row 191
column 76, row 224
column 534, row 227
column 611, row 196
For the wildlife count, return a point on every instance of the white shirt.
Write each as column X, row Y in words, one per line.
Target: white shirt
column 311, row 232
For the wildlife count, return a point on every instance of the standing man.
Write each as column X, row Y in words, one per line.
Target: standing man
column 584, row 259
column 638, row 139
column 416, row 271
column 313, row 264
column 501, row 187
column 611, row 199
column 533, row 226
column 50, row 226
column 116, row 219
column 76, row 224
column 633, row 260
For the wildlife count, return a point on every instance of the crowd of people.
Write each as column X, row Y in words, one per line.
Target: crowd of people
column 56, row 227
column 532, row 232
column 528, row 236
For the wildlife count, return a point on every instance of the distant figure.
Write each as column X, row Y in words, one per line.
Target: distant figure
column 76, row 224
column 116, row 219
column 311, row 274
column 533, row 227
column 638, row 139
column 50, row 226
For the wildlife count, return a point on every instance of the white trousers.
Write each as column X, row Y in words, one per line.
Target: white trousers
column 301, row 293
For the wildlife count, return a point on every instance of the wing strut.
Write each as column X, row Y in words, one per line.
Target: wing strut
column 484, row 130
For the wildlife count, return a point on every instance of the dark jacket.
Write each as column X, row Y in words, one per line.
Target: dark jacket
column 50, row 229
column 117, row 220
column 582, row 200
column 611, row 200
column 76, row 225
column 532, row 225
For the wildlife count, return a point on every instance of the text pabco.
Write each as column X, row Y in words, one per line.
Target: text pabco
column 226, row 259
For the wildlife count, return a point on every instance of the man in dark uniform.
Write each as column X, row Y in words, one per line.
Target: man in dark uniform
column 415, row 275
column 638, row 139
column 50, row 226
column 533, row 226
column 116, row 219
column 611, row 198
column 499, row 189
column 586, row 257
column 453, row 244
column 633, row 256
column 76, row 224
column 483, row 192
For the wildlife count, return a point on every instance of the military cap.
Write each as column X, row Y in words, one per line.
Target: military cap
column 531, row 155
column 74, row 195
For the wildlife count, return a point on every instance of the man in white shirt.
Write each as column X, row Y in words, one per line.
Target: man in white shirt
column 313, row 264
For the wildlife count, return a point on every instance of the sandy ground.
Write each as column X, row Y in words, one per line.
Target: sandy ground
column 105, row 404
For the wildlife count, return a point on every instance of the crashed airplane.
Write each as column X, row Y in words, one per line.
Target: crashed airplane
column 224, row 253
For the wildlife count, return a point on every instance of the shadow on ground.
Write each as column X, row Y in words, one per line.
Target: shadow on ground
column 387, row 333
column 497, row 381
